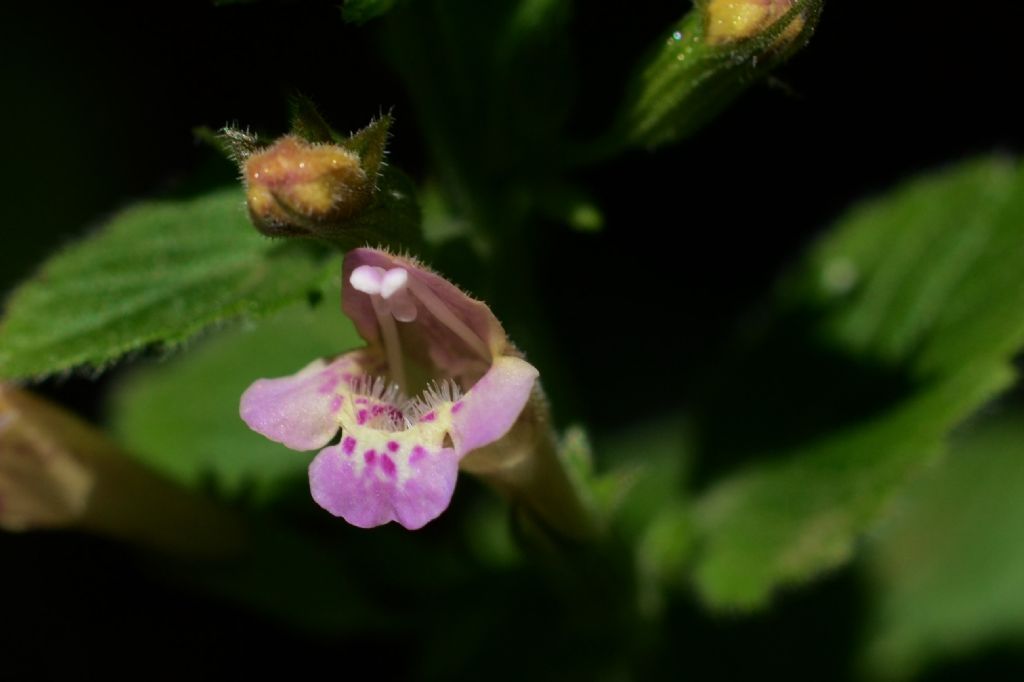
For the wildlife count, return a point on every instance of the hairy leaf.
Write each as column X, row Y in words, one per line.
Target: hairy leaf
column 157, row 273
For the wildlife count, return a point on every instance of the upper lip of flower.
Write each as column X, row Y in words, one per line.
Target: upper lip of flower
column 397, row 458
column 454, row 335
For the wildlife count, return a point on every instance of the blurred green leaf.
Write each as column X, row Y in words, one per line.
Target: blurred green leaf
column 947, row 572
column 181, row 416
column 646, row 466
column 475, row 72
column 306, row 120
column 898, row 326
column 392, row 220
column 159, row 272
column 439, row 223
column 643, row 497
column 662, row 555
column 687, row 79
column 573, row 207
column 362, row 11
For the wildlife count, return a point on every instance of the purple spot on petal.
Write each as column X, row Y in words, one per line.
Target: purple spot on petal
column 336, row 403
column 377, row 410
column 369, row 456
column 393, row 446
column 348, row 445
column 418, row 453
column 456, row 407
column 362, row 416
column 387, row 465
column 361, row 401
column 428, row 417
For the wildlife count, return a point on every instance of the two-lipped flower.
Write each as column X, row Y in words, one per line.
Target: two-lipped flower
column 437, row 380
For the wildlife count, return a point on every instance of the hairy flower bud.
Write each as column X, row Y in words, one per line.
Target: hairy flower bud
column 294, row 187
column 317, row 183
column 731, row 20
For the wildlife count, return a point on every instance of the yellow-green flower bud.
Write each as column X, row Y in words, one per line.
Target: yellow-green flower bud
column 731, row 20
column 701, row 63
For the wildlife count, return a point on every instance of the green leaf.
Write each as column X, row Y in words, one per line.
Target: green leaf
column 897, row 327
column 687, row 79
column 947, row 571
column 181, row 417
column 159, row 272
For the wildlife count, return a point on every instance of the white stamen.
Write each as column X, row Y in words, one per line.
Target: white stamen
column 394, row 280
column 446, row 317
column 376, row 388
column 436, row 393
column 367, row 279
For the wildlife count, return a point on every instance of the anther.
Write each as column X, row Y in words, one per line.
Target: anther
column 367, row 279
column 391, row 286
column 394, row 280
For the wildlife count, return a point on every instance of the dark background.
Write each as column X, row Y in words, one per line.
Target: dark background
column 98, row 107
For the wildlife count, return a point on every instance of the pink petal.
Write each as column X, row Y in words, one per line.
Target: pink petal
column 300, row 411
column 370, row 491
column 491, row 407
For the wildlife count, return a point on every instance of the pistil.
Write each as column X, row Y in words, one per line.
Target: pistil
column 392, row 344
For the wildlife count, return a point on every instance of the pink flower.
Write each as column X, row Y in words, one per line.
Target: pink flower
column 396, row 458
